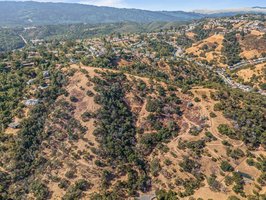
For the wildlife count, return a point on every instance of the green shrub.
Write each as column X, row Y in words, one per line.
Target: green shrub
column 90, row 93
column 226, row 167
column 197, row 99
column 40, row 190
column 213, row 115
column 73, row 99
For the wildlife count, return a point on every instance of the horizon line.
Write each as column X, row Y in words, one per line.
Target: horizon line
column 184, row 10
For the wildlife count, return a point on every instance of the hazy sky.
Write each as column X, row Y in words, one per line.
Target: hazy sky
column 170, row 4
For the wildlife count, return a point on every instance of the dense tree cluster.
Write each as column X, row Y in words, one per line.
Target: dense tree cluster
column 247, row 112
column 201, row 32
column 116, row 131
column 231, row 48
column 25, row 159
column 10, row 40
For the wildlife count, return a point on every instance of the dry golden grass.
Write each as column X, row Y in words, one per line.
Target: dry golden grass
column 191, row 35
column 192, row 116
column 78, row 86
column 257, row 33
column 252, row 45
column 124, row 63
column 248, row 73
column 215, row 55
column 238, row 25
column 250, row 54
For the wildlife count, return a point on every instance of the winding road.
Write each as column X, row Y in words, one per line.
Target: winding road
column 24, row 40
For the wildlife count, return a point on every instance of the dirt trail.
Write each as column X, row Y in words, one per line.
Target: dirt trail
column 207, row 106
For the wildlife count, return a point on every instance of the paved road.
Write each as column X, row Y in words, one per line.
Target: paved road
column 24, row 40
column 245, row 63
column 226, row 77
column 223, row 74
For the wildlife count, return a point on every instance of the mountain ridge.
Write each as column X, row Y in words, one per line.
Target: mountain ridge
column 36, row 13
column 255, row 9
column 46, row 13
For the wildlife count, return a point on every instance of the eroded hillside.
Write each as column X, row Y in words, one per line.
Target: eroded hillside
column 120, row 135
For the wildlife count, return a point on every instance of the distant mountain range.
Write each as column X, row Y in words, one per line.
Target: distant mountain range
column 36, row 13
column 256, row 9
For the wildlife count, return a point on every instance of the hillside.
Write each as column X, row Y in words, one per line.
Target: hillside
column 124, row 117
column 235, row 45
column 30, row 13
column 11, row 38
column 228, row 41
column 251, row 10
column 34, row 13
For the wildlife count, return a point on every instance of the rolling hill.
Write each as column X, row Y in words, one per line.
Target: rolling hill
column 35, row 13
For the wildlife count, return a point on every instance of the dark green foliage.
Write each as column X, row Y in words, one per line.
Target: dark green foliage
column 151, row 140
column 5, row 181
column 235, row 154
column 262, row 179
column 210, row 136
column 263, row 86
column 226, row 143
column 86, row 116
column 233, row 198
column 122, row 149
column 217, row 107
column 30, row 138
column 99, row 163
column 10, row 40
column 90, row 93
column 155, row 167
column 163, row 108
column 201, row 33
column 250, row 162
column 137, row 182
column 231, row 48
column 261, row 164
column 116, row 132
column 71, row 174
column 191, row 166
column 142, row 69
column 13, row 83
column 195, row 130
column 249, row 118
column 213, row 183
column 25, row 149
column 162, row 48
column 107, row 176
column 195, row 146
column 64, row 184
column 75, row 191
column 74, row 99
column 228, row 180
column 60, row 13
column 213, row 115
column 226, row 130
column 153, row 105
column 113, row 195
column 197, row 99
column 226, row 167
column 239, row 183
column 166, row 195
column 190, row 186
column 183, row 40
column 40, row 190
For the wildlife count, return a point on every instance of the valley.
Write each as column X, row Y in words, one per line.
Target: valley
column 176, row 113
